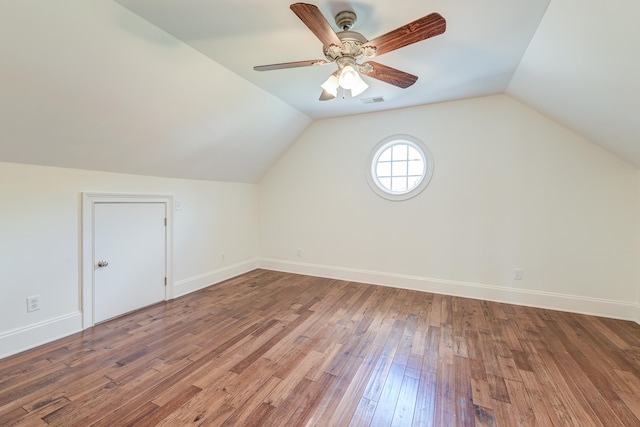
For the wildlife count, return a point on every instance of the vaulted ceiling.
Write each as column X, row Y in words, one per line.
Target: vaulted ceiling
column 476, row 56
column 167, row 87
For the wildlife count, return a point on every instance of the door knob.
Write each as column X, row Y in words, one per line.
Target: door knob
column 102, row 263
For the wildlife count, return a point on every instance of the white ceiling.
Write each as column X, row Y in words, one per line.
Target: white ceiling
column 476, row 56
column 167, row 88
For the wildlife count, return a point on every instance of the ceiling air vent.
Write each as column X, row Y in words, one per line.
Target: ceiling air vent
column 372, row 100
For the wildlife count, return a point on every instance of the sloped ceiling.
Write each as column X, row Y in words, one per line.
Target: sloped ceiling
column 582, row 68
column 87, row 84
column 166, row 87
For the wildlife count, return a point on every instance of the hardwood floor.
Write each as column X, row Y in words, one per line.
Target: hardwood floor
column 276, row 349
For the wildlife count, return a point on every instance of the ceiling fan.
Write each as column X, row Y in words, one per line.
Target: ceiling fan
column 347, row 47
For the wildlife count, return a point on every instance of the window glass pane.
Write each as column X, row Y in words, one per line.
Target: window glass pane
column 383, row 169
column 414, row 154
column 399, row 169
column 414, row 181
column 385, row 182
column 416, row 167
column 399, row 184
column 400, row 152
column 385, row 156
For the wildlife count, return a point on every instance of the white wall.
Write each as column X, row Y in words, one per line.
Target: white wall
column 511, row 189
column 637, row 297
column 40, row 220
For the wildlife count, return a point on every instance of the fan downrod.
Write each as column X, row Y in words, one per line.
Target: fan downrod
column 346, row 20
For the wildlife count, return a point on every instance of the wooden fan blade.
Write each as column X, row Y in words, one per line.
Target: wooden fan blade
column 316, row 22
column 390, row 75
column 290, row 65
column 421, row 29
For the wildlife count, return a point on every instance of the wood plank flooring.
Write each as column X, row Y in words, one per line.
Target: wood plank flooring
column 277, row 349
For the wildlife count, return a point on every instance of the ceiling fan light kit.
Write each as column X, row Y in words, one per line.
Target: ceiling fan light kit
column 347, row 47
column 346, row 78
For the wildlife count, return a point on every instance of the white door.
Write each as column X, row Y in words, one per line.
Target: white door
column 129, row 257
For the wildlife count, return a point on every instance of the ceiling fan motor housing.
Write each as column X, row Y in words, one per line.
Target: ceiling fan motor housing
column 352, row 42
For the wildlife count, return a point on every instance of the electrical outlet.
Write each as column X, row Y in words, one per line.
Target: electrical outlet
column 33, row 303
column 299, row 252
column 517, row 274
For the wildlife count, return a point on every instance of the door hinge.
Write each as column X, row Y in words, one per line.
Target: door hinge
column 165, row 281
column 165, row 222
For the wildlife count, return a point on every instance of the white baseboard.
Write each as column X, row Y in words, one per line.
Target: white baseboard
column 192, row 284
column 554, row 301
column 25, row 338
column 21, row 339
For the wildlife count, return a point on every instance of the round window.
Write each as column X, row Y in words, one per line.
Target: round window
column 401, row 167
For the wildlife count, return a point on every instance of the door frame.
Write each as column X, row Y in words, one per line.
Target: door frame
column 89, row 200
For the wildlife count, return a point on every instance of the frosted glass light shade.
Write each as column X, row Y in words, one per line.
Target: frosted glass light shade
column 348, row 77
column 331, row 85
column 358, row 87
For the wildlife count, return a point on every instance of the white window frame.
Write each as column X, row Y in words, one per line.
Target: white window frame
column 381, row 147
